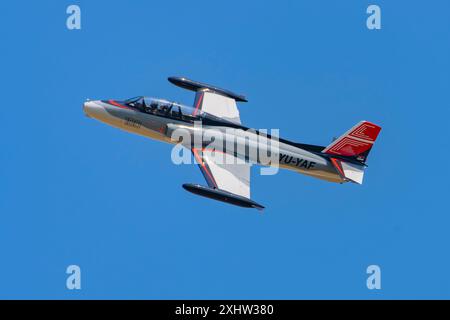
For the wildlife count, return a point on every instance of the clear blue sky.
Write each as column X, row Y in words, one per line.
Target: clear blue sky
column 75, row 191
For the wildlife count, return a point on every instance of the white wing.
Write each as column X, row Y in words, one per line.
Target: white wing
column 217, row 105
column 223, row 171
column 211, row 99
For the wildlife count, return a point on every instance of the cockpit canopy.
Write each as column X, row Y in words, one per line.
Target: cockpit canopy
column 160, row 107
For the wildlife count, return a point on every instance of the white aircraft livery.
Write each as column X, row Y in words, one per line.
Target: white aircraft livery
column 224, row 149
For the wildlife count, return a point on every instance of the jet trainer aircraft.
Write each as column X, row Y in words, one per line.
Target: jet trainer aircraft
column 344, row 160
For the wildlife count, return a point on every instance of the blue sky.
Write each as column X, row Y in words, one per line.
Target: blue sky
column 75, row 191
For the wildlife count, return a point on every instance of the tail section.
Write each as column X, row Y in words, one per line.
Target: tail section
column 355, row 144
column 349, row 171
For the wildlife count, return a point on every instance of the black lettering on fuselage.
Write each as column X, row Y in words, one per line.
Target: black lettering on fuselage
column 296, row 162
column 132, row 123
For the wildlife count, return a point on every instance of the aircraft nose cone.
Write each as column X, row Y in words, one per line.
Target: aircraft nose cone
column 90, row 107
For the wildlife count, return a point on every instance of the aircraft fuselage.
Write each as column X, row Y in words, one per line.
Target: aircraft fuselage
column 248, row 144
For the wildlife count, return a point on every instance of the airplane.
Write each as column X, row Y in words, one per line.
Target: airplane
column 215, row 109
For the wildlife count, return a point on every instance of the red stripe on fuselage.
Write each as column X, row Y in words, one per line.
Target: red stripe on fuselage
column 114, row 103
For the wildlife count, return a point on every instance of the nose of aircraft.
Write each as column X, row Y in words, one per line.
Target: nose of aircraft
column 90, row 108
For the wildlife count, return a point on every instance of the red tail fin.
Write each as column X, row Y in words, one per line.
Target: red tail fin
column 356, row 142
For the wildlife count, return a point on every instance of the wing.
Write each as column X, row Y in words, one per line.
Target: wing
column 211, row 99
column 217, row 105
column 228, row 177
column 223, row 171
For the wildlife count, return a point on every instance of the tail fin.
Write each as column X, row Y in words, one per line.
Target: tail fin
column 356, row 144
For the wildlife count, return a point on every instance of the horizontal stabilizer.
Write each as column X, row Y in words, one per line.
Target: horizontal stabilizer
column 349, row 171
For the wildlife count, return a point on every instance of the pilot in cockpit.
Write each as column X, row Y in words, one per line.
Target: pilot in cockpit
column 153, row 107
